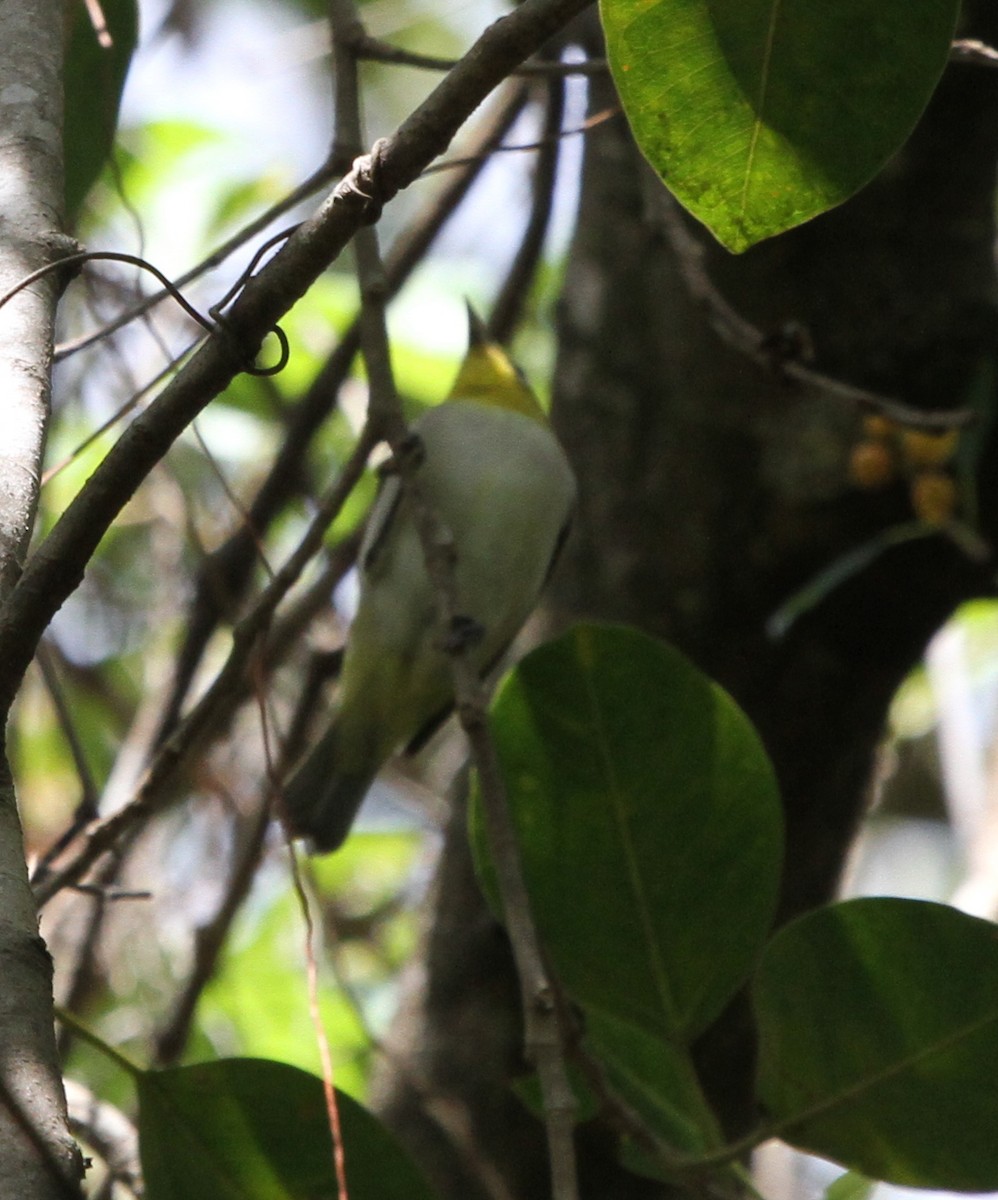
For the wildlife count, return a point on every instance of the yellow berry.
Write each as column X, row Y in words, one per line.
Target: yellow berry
column 933, row 497
column 871, row 465
column 877, row 426
column 923, row 449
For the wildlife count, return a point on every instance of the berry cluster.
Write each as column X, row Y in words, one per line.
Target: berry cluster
column 888, row 451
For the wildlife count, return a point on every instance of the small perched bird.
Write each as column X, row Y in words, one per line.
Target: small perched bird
column 496, row 477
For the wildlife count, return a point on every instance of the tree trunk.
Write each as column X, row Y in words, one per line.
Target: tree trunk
column 38, row 1158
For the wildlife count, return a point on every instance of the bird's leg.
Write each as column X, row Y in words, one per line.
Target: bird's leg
column 462, row 634
column 409, row 454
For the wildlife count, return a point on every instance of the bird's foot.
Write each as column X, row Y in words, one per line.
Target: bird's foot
column 462, row 634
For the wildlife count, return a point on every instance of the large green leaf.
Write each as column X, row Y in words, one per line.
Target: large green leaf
column 879, row 1040
column 760, row 114
column 250, row 1129
column 657, row 1080
column 94, row 77
column 649, row 824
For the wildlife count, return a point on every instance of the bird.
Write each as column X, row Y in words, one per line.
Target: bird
column 496, row 477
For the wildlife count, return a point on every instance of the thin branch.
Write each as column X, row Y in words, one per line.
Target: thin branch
column 108, row 1131
column 155, row 791
column 319, row 179
column 88, row 799
column 448, row 164
column 209, row 938
column 542, row 1035
column 453, row 1121
column 285, row 635
column 99, row 23
column 375, row 50
column 744, row 337
column 508, row 307
column 83, row 975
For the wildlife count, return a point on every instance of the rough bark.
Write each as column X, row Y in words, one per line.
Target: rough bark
column 38, row 1158
column 710, row 493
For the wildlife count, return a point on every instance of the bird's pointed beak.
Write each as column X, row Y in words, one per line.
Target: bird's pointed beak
column 478, row 333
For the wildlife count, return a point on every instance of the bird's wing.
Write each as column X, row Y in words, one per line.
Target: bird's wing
column 559, row 545
column 380, row 521
column 430, row 727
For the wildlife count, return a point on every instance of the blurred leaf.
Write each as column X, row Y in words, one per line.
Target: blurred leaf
column 239, row 200
column 915, row 707
column 93, row 79
column 257, row 1002
column 878, row 1025
column 760, row 115
column 649, row 824
column 154, row 151
column 249, row 1129
column 844, row 568
column 851, row 1185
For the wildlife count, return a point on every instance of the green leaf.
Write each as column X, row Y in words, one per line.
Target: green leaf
column 249, row 1129
column 878, row 1023
column 94, row 77
column 649, row 824
column 657, row 1080
column 760, row 114
column 850, row 1186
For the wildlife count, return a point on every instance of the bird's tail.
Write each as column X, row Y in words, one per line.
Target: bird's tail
column 321, row 799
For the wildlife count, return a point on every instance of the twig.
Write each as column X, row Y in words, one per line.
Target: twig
column 97, row 19
column 607, row 114
column 451, row 1120
column 154, row 791
column 375, row 50
column 542, row 1035
column 509, row 304
column 209, row 938
column 319, row 179
column 82, row 975
column 88, row 789
column 118, row 415
column 739, row 333
column 108, row 1131
column 284, row 635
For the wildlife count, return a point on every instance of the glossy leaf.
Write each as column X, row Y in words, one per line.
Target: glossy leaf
column 760, row 114
column 878, row 1021
column 649, row 823
column 251, row 1129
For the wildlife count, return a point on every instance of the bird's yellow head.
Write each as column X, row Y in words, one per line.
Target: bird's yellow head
column 489, row 376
